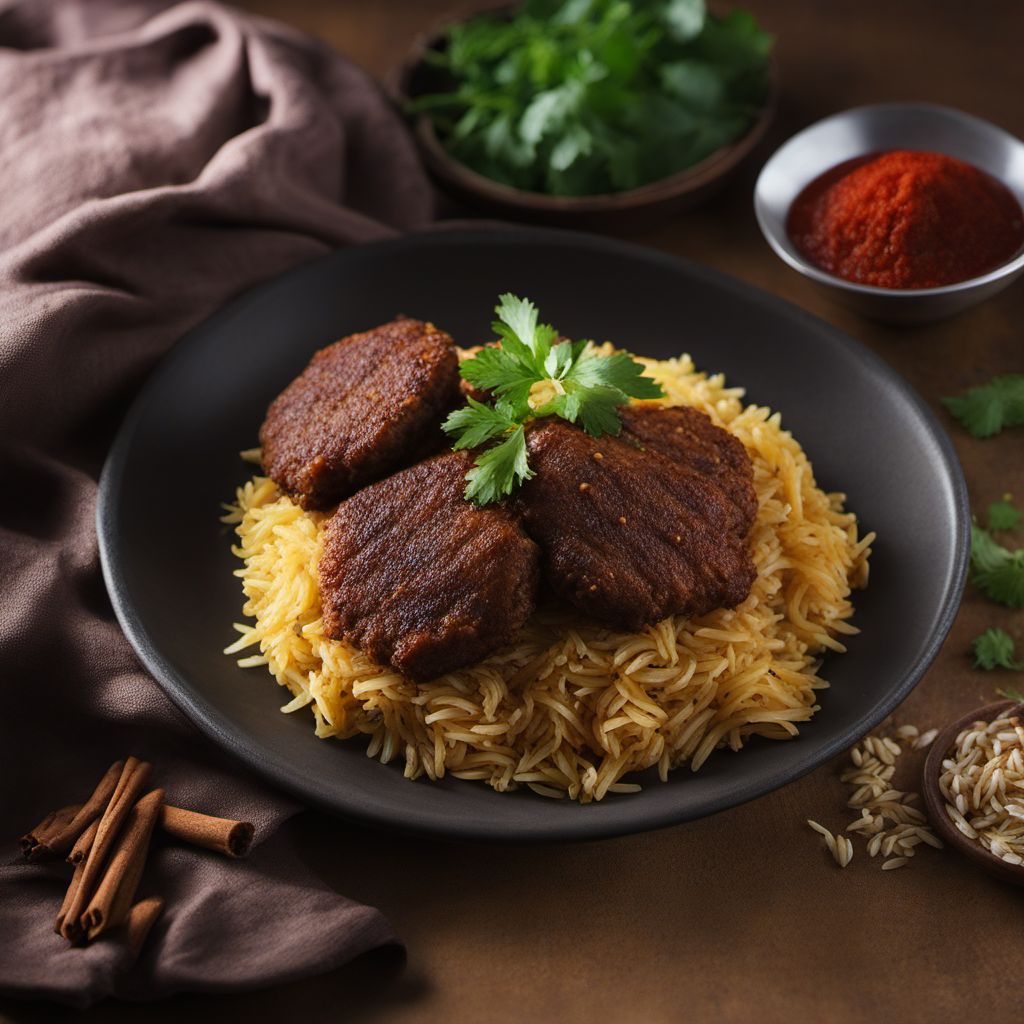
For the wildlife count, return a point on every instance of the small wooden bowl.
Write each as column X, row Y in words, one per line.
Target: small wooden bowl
column 935, row 802
column 631, row 210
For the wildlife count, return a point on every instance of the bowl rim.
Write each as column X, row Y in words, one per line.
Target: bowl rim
column 935, row 804
column 712, row 167
column 789, row 255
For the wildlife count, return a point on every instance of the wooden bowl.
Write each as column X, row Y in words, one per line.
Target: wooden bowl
column 935, row 802
column 631, row 210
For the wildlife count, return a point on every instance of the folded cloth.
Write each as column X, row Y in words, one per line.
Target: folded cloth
column 155, row 162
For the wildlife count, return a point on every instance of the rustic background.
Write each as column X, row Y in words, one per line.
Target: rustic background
column 744, row 915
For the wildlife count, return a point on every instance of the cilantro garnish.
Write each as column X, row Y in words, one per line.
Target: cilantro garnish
column 1002, row 515
column 1010, row 693
column 998, row 572
column 532, row 374
column 989, row 408
column 994, row 649
column 581, row 97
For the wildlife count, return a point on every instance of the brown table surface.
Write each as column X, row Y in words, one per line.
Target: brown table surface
column 740, row 916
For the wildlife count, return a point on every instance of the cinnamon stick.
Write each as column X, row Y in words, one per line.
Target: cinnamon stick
column 129, row 788
column 31, row 838
column 69, row 896
column 113, row 897
column 64, row 838
column 141, row 919
column 231, row 838
column 84, row 844
column 33, row 842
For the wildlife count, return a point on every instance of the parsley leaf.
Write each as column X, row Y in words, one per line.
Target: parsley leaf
column 620, row 371
column 477, row 423
column 495, row 369
column 1002, row 515
column 989, row 408
column 998, row 572
column 994, row 649
column 521, row 335
column 531, row 375
column 499, row 469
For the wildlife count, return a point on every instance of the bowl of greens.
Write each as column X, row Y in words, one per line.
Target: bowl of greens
column 589, row 113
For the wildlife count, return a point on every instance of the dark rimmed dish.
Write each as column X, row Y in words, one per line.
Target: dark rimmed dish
column 168, row 564
column 632, row 210
column 935, row 803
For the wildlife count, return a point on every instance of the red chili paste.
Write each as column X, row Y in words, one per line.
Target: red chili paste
column 906, row 219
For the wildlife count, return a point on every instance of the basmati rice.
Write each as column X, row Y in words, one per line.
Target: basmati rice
column 983, row 783
column 570, row 707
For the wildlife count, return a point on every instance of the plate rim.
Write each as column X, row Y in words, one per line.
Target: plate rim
column 219, row 728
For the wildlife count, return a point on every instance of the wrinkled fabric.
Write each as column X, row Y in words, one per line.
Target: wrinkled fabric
column 156, row 161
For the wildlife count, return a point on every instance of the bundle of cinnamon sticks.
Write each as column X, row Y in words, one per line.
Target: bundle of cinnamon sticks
column 106, row 841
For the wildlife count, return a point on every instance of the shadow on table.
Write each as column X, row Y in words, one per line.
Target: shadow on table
column 370, row 987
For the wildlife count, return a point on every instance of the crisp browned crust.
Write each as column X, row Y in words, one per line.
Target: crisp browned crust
column 418, row 578
column 631, row 535
column 363, row 407
column 687, row 435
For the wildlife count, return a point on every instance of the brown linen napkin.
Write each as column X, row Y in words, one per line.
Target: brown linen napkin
column 155, row 162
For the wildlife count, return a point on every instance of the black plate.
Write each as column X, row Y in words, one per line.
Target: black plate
column 168, row 566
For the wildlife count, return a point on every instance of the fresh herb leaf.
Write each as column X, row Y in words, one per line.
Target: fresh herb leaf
column 581, row 97
column 478, row 423
column 1010, row 693
column 509, row 377
column 499, row 469
column 989, row 408
column 620, row 371
column 998, row 572
column 521, row 334
column 685, row 19
column 597, row 412
column 531, row 375
column 1002, row 515
column 994, row 649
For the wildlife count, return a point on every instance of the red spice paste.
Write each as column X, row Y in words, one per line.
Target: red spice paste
column 906, row 219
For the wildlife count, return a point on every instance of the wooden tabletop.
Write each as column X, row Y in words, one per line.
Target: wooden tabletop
column 741, row 916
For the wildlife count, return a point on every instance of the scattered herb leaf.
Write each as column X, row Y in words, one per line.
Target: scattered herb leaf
column 994, row 649
column 989, row 408
column 998, row 572
column 1010, row 693
column 575, row 383
column 1002, row 515
column 581, row 97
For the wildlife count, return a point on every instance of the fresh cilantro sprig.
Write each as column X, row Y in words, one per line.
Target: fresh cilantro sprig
column 532, row 374
column 995, row 649
column 998, row 571
column 989, row 408
column 1010, row 693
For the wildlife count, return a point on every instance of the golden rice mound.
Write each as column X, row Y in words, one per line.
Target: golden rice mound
column 572, row 707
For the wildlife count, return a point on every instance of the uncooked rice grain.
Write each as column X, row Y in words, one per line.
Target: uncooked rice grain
column 879, row 801
column 982, row 781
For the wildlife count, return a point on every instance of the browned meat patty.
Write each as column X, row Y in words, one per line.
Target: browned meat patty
column 687, row 435
column 363, row 407
column 630, row 535
column 417, row 577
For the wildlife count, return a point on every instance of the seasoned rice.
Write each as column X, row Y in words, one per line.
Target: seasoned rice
column 571, row 707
